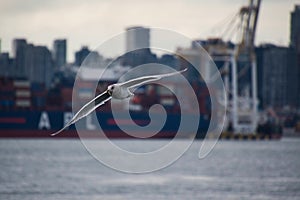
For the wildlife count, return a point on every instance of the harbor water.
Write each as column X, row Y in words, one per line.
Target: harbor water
column 63, row 169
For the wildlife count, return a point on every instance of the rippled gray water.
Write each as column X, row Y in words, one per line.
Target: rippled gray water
column 63, row 169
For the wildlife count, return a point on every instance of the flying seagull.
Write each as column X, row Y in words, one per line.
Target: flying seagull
column 116, row 91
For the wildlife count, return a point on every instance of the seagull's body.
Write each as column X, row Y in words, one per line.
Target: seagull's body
column 116, row 91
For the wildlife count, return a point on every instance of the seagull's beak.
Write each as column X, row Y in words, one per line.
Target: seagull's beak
column 109, row 92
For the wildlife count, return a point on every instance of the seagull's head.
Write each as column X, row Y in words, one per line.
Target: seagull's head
column 112, row 89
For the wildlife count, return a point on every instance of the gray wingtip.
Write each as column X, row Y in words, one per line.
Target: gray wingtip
column 61, row 130
column 184, row 70
column 57, row 132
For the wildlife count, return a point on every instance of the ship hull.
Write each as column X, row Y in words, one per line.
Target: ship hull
column 42, row 124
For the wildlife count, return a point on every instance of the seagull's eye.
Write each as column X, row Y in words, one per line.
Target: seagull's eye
column 111, row 88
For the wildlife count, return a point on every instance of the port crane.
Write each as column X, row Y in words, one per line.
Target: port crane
column 244, row 101
column 240, row 68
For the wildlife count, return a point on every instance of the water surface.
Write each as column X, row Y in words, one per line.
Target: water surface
column 63, row 169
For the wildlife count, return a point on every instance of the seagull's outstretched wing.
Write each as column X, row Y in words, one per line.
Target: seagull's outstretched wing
column 106, row 96
column 87, row 109
column 147, row 79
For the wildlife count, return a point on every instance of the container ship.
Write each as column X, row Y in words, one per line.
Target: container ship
column 31, row 110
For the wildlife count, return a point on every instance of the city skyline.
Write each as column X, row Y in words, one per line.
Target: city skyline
column 93, row 23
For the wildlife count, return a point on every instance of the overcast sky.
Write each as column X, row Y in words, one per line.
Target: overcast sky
column 94, row 21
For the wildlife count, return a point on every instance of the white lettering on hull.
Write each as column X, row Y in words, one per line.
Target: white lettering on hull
column 89, row 123
column 67, row 117
column 44, row 122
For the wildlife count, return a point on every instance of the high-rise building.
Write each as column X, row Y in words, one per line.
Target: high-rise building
column 295, row 42
column 5, row 65
column 277, row 76
column 295, row 27
column 137, row 37
column 41, row 70
column 33, row 63
column 197, row 56
column 94, row 59
column 81, row 55
column 138, row 50
column 60, row 52
column 19, row 54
